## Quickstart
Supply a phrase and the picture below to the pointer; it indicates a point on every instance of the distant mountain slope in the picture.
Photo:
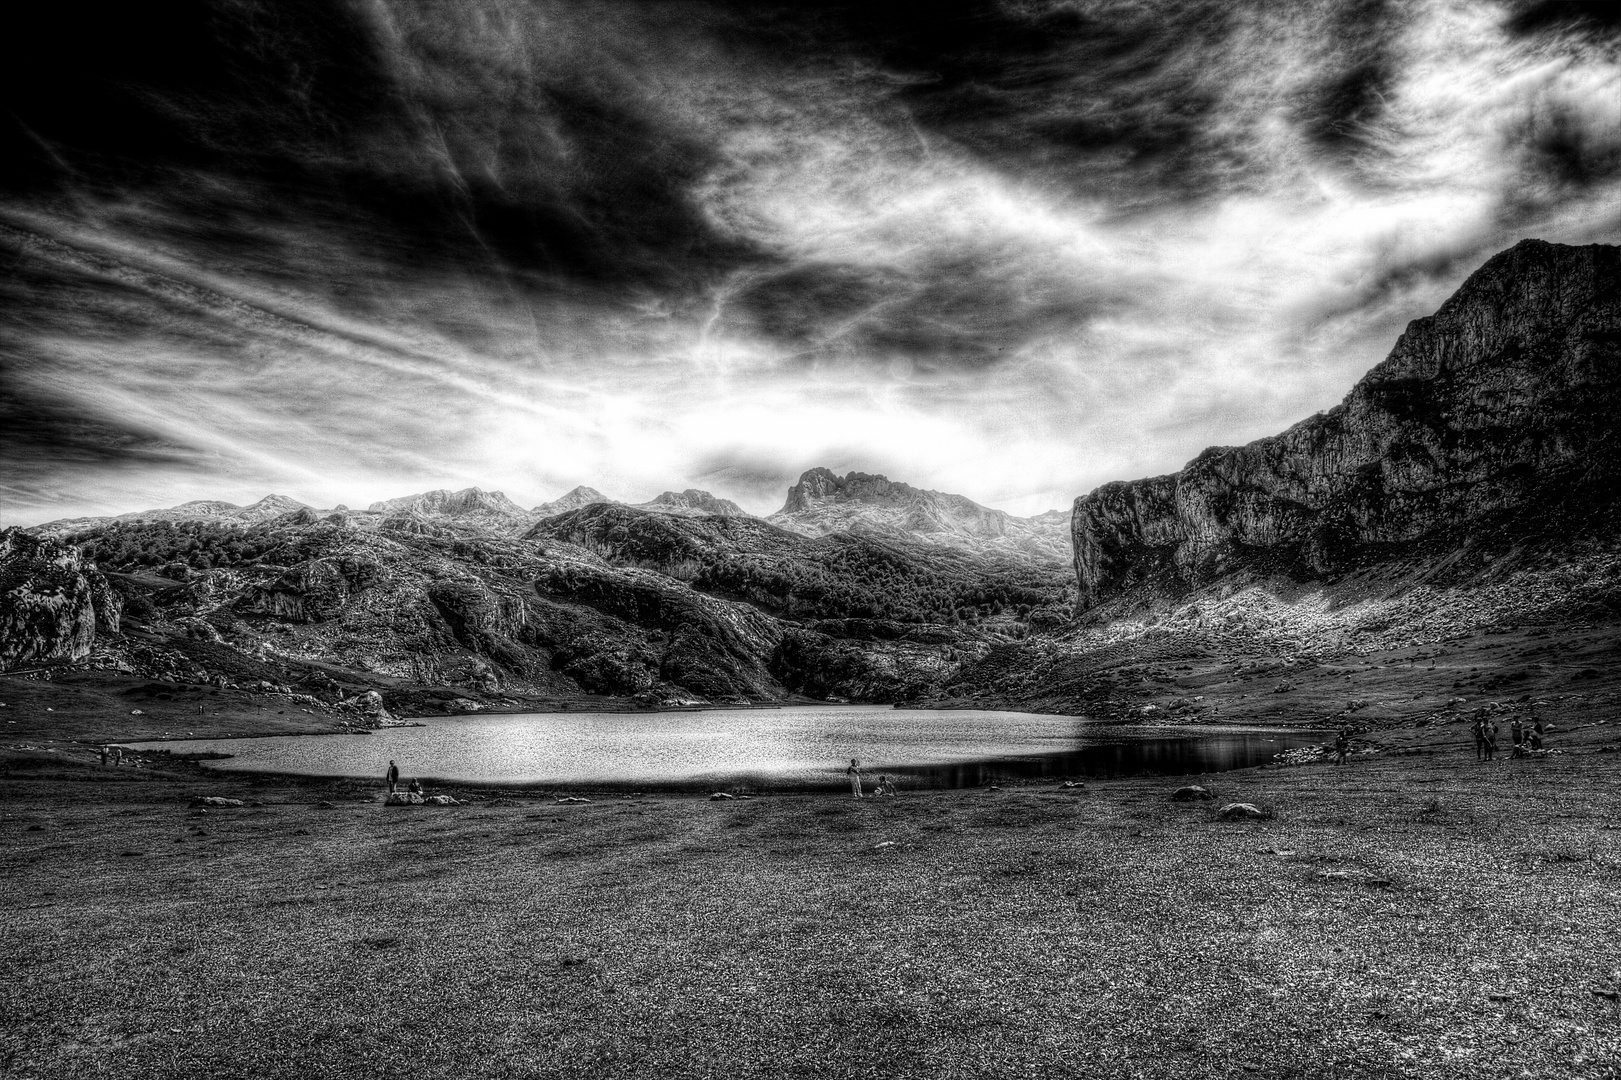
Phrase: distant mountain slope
(693, 501)
(823, 503)
(266, 509)
(580, 496)
(469, 503)
(1495, 417)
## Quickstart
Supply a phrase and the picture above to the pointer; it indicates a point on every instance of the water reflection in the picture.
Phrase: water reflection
(1158, 756)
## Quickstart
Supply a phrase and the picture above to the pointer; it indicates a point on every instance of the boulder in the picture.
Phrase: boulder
(440, 800)
(1191, 793)
(1240, 811)
(215, 802)
(403, 798)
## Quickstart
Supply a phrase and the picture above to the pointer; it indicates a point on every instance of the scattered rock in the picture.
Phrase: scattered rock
(1069, 785)
(1240, 811)
(572, 799)
(403, 798)
(1354, 877)
(441, 800)
(718, 796)
(1191, 793)
(214, 801)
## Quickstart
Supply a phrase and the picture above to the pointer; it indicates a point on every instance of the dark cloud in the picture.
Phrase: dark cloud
(650, 245)
(1599, 18)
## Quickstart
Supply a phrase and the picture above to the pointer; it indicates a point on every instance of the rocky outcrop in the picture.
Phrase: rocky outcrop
(51, 601)
(1498, 412)
(313, 591)
(824, 502)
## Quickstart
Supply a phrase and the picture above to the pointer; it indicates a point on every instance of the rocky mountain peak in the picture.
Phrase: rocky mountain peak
(819, 484)
(578, 497)
(823, 502)
(695, 501)
(468, 502)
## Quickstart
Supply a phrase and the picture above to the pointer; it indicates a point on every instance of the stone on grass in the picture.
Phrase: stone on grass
(440, 800)
(718, 796)
(1354, 877)
(403, 798)
(215, 800)
(1240, 811)
(1191, 793)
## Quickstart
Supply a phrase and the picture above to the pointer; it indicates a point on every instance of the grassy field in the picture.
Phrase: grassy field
(1410, 914)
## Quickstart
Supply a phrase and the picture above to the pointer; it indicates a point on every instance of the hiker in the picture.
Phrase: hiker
(416, 786)
(854, 773)
(393, 776)
(1479, 727)
(885, 786)
(1342, 743)
(118, 755)
(1491, 740)
(1516, 735)
(103, 757)
(1536, 736)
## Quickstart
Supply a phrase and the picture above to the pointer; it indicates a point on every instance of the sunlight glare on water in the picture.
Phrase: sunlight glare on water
(799, 746)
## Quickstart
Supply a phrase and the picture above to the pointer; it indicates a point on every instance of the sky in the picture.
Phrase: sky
(346, 250)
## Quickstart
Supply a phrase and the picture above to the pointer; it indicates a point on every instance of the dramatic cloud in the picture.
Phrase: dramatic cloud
(346, 251)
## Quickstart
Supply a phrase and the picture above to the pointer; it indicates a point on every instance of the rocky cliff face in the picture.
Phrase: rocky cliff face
(51, 601)
(1497, 412)
(823, 503)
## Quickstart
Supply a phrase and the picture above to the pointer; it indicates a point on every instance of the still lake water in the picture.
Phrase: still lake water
(797, 747)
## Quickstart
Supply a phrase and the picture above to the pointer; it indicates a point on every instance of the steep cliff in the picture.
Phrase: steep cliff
(1495, 414)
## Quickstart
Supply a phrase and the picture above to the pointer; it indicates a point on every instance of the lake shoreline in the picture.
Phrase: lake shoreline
(731, 752)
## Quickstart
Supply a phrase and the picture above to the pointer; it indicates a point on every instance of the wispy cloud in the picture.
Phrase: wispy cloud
(1016, 251)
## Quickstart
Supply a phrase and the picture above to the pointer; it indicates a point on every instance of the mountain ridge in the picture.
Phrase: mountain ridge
(1495, 410)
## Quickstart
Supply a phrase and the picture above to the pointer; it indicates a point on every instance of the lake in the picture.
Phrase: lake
(791, 748)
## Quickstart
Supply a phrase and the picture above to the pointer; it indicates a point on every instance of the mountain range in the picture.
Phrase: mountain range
(820, 504)
(1465, 487)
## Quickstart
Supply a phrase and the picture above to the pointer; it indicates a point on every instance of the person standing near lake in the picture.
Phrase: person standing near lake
(1516, 735)
(1536, 735)
(1491, 740)
(1342, 744)
(854, 773)
(1479, 727)
(393, 776)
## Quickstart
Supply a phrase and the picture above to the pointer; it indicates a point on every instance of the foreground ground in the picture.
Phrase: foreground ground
(1411, 914)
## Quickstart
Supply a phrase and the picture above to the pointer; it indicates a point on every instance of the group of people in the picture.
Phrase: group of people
(393, 778)
(1526, 736)
(115, 754)
(886, 786)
